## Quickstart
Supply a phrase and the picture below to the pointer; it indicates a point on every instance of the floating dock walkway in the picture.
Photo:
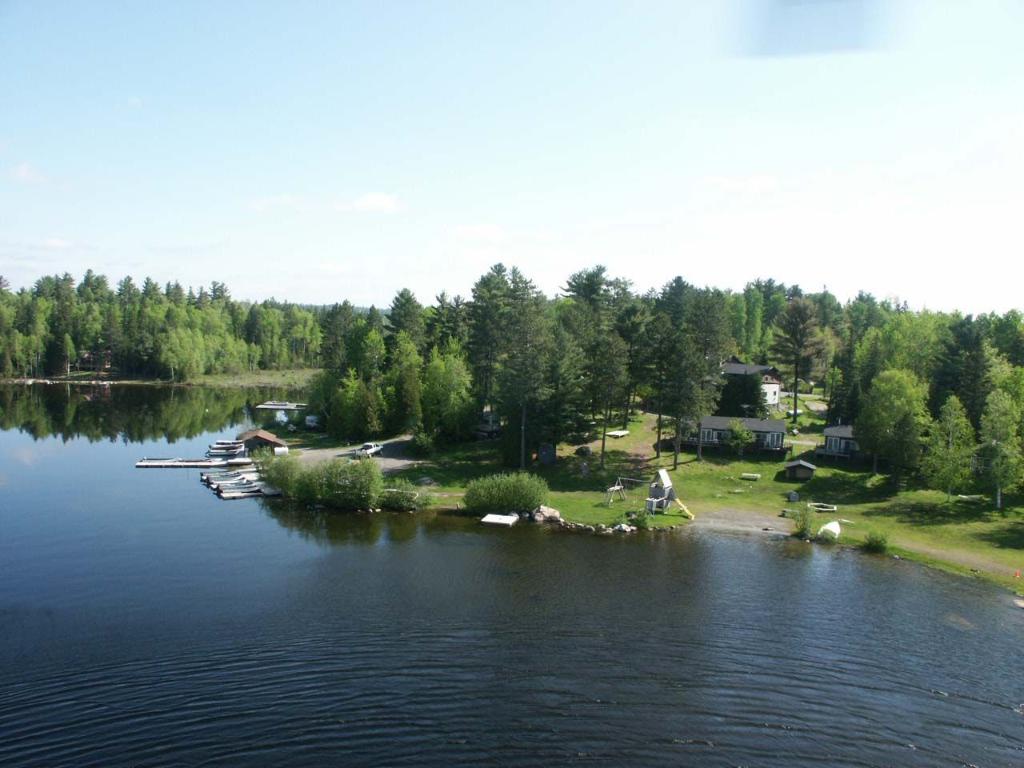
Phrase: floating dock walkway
(280, 405)
(236, 476)
(192, 463)
(506, 520)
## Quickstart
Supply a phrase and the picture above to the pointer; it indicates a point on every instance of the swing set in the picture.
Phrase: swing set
(660, 493)
(622, 490)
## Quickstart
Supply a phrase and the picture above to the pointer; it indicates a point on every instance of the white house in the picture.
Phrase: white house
(771, 380)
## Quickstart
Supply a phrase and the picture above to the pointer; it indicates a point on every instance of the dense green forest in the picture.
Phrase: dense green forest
(937, 392)
(57, 327)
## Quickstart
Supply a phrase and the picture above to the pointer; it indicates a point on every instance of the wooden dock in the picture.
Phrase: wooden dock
(232, 479)
(192, 463)
(280, 405)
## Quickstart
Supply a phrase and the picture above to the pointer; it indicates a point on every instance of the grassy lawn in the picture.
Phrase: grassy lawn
(811, 424)
(297, 378)
(963, 535)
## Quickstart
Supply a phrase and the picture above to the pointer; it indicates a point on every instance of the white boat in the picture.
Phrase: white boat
(241, 482)
(830, 530)
(226, 450)
(216, 477)
(240, 494)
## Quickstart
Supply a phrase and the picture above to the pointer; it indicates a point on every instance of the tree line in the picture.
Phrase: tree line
(57, 327)
(550, 368)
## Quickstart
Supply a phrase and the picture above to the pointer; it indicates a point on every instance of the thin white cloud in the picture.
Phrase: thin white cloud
(29, 249)
(199, 247)
(26, 173)
(371, 202)
(476, 233)
(275, 203)
(56, 244)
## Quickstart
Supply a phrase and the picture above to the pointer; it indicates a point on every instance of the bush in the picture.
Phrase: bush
(422, 444)
(282, 472)
(641, 519)
(402, 496)
(876, 542)
(803, 520)
(352, 484)
(338, 483)
(507, 492)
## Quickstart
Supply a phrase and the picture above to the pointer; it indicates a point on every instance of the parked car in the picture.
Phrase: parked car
(370, 449)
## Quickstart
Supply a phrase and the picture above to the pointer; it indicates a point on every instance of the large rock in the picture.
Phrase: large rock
(544, 514)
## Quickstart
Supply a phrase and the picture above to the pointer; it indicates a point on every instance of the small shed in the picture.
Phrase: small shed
(800, 470)
(257, 439)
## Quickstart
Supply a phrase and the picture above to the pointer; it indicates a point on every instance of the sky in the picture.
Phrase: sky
(316, 151)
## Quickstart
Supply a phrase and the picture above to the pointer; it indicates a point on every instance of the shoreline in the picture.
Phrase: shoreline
(271, 381)
(731, 521)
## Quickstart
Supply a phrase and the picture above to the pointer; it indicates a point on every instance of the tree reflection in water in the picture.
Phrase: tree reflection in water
(125, 412)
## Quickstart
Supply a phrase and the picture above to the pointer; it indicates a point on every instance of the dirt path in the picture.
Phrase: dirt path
(970, 560)
(737, 521)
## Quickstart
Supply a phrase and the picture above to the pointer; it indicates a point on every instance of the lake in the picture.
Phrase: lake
(145, 622)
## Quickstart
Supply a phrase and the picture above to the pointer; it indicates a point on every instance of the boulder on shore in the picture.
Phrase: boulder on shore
(544, 514)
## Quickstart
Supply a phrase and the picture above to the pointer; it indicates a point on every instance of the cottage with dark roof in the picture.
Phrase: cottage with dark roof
(768, 433)
(839, 441)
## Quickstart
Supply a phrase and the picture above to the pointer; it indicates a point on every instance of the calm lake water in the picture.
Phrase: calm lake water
(144, 622)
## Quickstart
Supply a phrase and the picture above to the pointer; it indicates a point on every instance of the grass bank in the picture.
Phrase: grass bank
(965, 535)
(296, 378)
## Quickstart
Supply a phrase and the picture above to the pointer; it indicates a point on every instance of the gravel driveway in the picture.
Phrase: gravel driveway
(394, 455)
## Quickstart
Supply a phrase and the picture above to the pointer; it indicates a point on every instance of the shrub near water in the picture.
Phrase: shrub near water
(876, 542)
(402, 496)
(338, 483)
(803, 522)
(282, 472)
(506, 493)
